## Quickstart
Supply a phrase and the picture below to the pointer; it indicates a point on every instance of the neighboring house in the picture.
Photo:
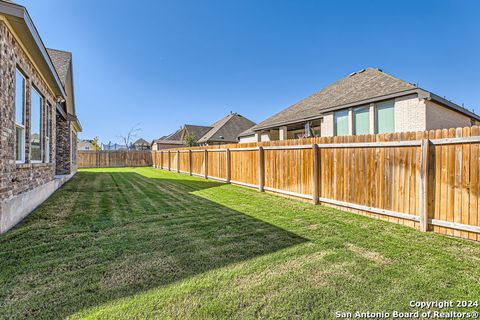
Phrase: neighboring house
(141, 144)
(38, 124)
(224, 131)
(85, 145)
(175, 140)
(113, 147)
(365, 102)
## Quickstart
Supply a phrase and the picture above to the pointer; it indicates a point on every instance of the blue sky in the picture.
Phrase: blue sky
(166, 63)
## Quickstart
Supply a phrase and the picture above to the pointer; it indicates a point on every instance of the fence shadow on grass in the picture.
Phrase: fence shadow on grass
(108, 235)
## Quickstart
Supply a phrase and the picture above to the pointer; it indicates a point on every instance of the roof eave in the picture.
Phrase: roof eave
(422, 93)
(20, 12)
(448, 104)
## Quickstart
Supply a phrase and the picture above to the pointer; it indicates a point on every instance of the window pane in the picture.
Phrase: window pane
(362, 121)
(19, 98)
(341, 123)
(385, 117)
(35, 133)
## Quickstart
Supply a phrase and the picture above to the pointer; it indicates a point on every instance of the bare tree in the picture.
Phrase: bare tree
(132, 134)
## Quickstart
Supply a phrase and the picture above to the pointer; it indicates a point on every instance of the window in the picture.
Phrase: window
(19, 117)
(36, 149)
(385, 117)
(361, 120)
(341, 123)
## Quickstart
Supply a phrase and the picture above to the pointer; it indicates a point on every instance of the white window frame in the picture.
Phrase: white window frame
(20, 126)
(42, 100)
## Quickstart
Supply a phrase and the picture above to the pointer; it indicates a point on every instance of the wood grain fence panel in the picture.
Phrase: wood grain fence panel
(184, 162)
(286, 170)
(244, 166)
(173, 160)
(217, 164)
(380, 180)
(198, 163)
(105, 159)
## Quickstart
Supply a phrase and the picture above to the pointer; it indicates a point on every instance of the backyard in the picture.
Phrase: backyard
(146, 243)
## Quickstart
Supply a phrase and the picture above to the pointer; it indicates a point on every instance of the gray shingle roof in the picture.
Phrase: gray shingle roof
(227, 129)
(197, 131)
(61, 61)
(356, 87)
(141, 141)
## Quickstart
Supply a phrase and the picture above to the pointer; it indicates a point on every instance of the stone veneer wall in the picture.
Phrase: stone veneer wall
(19, 178)
(63, 146)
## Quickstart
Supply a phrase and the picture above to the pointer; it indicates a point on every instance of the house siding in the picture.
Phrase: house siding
(19, 178)
(327, 126)
(410, 114)
(249, 138)
(439, 117)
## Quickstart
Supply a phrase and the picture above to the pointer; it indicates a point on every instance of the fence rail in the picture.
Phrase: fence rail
(427, 180)
(105, 159)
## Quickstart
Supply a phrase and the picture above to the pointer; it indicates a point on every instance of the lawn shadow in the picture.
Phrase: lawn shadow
(108, 235)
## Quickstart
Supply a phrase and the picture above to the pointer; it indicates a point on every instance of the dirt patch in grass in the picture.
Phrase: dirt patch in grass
(369, 254)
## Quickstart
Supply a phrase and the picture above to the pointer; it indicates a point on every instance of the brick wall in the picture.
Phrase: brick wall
(18, 178)
(63, 146)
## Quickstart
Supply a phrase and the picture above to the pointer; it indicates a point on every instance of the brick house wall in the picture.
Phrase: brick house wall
(18, 178)
(62, 149)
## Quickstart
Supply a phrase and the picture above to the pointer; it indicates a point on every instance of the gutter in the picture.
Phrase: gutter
(422, 94)
(450, 105)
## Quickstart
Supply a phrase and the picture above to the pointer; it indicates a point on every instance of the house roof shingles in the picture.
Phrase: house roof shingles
(197, 131)
(141, 141)
(356, 87)
(227, 129)
(61, 61)
(360, 87)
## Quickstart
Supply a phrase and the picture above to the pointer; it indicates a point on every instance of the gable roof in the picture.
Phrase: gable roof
(227, 129)
(197, 131)
(177, 136)
(364, 86)
(141, 141)
(61, 61)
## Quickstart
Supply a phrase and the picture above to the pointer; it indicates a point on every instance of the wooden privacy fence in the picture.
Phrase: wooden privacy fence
(120, 158)
(428, 180)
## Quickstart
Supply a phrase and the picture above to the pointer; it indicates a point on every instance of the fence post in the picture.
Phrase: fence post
(315, 189)
(423, 201)
(168, 154)
(178, 161)
(205, 152)
(228, 166)
(261, 169)
(190, 161)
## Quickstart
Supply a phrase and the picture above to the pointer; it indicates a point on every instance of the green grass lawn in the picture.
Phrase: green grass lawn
(144, 243)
